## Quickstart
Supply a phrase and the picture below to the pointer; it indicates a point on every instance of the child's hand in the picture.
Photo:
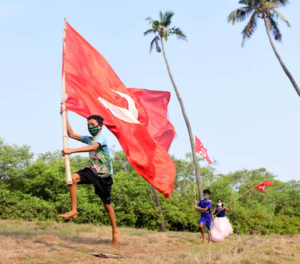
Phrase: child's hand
(230, 203)
(66, 151)
(195, 202)
(62, 110)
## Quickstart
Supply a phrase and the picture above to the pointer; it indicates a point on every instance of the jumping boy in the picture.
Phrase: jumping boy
(99, 173)
(204, 206)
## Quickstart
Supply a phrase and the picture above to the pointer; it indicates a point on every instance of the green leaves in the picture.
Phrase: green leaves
(177, 31)
(155, 42)
(278, 14)
(162, 29)
(13, 160)
(42, 194)
(250, 28)
(239, 15)
(264, 9)
(166, 19)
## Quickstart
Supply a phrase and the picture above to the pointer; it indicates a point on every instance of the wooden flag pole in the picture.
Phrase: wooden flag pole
(64, 123)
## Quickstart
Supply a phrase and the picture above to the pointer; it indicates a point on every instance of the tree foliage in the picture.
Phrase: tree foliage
(256, 9)
(41, 194)
(162, 29)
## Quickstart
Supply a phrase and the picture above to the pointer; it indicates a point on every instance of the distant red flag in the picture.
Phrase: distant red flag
(261, 187)
(201, 149)
(94, 88)
(155, 104)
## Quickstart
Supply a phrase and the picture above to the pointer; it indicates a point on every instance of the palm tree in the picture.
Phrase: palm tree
(162, 30)
(266, 10)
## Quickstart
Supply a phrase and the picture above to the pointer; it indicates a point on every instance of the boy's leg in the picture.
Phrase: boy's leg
(73, 195)
(202, 231)
(115, 232)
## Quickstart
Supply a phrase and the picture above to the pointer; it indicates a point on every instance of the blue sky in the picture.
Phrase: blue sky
(239, 101)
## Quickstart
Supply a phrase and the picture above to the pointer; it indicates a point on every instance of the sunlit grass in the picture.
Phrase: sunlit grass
(52, 242)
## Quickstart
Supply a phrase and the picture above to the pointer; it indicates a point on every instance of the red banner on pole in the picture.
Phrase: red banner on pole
(261, 187)
(199, 148)
(94, 88)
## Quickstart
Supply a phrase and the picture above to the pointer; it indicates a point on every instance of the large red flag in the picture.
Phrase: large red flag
(155, 104)
(261, 187)
(201, 149)
(94, 88)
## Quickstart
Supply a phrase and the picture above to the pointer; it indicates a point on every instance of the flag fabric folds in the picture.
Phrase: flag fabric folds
(261, 187)
(201, 149)
(93, 87)
(155, 104)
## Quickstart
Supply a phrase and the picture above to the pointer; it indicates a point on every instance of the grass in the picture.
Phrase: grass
(51, 242)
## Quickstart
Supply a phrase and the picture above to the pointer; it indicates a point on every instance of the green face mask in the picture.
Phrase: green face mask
(93, 130)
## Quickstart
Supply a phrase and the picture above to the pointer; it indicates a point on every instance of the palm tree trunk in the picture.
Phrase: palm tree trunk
(161, 216)
(289, 75)
(187, 122)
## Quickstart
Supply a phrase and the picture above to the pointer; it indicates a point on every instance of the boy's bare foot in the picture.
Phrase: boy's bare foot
(115, 239)
(203, 240)
(70, 214)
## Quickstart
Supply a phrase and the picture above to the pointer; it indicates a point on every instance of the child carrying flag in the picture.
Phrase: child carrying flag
(99, 173)
(204, 206)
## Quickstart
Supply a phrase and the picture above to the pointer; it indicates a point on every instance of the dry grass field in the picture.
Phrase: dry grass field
(49, 242)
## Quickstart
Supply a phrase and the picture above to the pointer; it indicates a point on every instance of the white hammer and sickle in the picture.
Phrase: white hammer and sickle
(129, 115)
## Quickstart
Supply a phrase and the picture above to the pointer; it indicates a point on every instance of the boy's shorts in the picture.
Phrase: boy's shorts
(205, 221)
(102, 185)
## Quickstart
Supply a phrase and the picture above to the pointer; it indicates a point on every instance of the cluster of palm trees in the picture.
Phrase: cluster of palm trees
(255, 9)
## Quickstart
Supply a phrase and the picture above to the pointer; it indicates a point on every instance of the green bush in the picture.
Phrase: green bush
(36, 190)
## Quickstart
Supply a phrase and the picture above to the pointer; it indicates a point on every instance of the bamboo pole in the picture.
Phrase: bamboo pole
(64, 122)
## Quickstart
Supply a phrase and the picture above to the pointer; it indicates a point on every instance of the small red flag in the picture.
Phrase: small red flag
(93, 87)
(261, 187)
(201, 149)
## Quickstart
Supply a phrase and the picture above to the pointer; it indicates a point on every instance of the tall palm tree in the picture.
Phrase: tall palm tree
(266, 10)
(162, 30)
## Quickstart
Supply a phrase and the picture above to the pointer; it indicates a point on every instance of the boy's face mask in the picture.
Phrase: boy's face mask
(93, 130)
(205, 197)
(219, 204)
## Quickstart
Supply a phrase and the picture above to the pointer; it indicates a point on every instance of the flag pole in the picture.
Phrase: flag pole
(64, 121)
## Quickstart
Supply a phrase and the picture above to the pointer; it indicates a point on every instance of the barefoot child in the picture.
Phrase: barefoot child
(221, 227)
(206, 218)
(99, 173)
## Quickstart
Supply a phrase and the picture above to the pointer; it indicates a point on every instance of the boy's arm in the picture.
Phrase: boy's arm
(196, 206)
(70, 132)
(204, 209)
(199, 208)
(89, 148)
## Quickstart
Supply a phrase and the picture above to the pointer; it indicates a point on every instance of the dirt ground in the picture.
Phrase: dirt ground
(51, 242)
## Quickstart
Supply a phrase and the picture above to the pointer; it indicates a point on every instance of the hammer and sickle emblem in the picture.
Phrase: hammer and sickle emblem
(129, 115)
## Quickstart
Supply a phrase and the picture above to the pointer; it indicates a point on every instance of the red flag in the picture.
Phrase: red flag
(94, 88)
(261, 187)
(155, 104)
(201, 149)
